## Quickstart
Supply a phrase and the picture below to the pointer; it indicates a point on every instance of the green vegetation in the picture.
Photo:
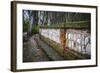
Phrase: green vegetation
(74, 24)
(35, 29)
(25, 25)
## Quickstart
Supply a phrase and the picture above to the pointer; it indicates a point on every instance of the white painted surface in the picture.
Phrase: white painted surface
(53, 34)
(78, 39)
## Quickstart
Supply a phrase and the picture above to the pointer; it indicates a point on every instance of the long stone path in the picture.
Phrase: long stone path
(32, 52)
(36, 50)
(51, 53)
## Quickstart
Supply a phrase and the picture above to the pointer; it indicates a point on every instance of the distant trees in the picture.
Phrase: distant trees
(30, 20)
(35, 18)
(50, 17)
(25, 21)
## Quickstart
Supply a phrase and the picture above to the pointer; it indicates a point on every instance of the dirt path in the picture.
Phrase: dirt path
(51, 53)
(32, 52)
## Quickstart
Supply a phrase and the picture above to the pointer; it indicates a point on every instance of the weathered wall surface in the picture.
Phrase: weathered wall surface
(53, 34)
(78, 40)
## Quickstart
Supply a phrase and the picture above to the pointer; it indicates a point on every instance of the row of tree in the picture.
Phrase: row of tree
(35, 18)
(49, 18)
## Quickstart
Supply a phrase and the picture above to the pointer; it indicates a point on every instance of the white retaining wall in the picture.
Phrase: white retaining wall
(77, 40)
(53, 34)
